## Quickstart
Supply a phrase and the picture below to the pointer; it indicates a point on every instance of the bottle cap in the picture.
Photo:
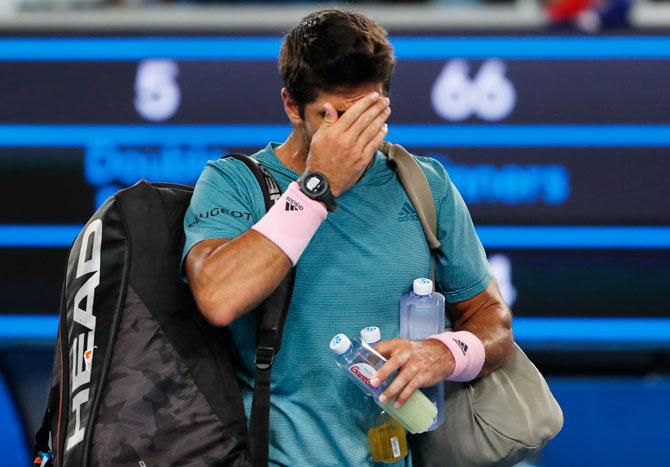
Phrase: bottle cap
(423, 286)
(340, 344)
(371, 335)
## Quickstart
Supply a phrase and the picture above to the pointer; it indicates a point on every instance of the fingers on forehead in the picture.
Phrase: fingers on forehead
(350, 116)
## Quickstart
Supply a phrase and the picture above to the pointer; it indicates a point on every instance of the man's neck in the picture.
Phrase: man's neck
(293, 152)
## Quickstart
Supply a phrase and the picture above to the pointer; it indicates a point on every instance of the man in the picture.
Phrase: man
(354, 257)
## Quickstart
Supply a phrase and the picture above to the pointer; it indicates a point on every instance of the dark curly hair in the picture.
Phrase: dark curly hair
(330, 49)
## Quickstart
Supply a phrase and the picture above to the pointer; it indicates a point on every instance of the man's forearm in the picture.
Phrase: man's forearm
(487, 317)
(231, 277)
(495, 332)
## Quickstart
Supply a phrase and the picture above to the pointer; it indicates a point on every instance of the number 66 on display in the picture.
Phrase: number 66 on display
(489, 95)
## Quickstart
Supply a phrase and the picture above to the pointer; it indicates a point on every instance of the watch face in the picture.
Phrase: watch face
(314, 184)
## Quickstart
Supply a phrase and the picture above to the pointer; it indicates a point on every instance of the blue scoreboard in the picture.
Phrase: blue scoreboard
(560, 146)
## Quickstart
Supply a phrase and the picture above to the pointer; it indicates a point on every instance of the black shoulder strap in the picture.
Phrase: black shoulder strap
(270, 315)
(266, 181)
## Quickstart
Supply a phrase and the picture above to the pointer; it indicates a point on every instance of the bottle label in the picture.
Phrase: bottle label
(363, 373)
(395, 446)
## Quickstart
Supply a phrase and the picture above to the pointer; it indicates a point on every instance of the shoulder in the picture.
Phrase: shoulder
(448, 201)
(227, 167)
(437, 176)
(228, 179)
(228, 174)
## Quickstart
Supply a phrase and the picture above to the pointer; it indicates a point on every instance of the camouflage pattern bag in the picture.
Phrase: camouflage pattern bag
(140, 378)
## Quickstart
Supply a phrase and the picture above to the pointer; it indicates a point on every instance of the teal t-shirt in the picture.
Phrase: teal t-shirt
(363, 257)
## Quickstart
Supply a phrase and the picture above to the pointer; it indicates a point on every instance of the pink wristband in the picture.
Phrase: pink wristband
(468, 352)
(292, 222)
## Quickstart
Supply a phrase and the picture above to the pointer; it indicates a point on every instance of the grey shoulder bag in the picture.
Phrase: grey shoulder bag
(496, 420)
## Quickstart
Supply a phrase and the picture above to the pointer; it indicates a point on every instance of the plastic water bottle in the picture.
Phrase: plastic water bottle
(361, 362)
(387, 438)
(422, 315)
(370, 336)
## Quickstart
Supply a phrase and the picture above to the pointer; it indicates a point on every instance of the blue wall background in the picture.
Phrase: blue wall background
(586, 108)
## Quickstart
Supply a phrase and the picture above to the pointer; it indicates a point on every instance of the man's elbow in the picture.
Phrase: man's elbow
(500, 342)
(506, 335)
(217, 306)
(218, 313)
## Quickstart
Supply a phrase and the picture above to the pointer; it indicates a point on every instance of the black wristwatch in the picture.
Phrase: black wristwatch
(315, 185)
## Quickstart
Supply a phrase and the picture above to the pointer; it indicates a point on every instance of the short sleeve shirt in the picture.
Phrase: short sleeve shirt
(363, 257)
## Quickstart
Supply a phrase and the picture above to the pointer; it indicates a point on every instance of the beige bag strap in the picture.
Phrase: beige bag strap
(416, 186)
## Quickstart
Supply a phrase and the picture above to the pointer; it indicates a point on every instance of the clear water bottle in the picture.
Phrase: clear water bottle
(361, 362)
(422, 315)
(371, 335)
(387, 438)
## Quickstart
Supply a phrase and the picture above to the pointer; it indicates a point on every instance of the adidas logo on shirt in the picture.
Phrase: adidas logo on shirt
(293, 205)
(407, 213)
(462, 345)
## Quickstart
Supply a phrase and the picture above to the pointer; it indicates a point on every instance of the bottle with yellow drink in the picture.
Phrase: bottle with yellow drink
(387, 437)
(361, 362)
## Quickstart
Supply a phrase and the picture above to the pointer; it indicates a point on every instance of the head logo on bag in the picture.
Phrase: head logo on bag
(81, 353)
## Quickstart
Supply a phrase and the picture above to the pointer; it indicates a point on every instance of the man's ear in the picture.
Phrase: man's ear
(291, 108)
